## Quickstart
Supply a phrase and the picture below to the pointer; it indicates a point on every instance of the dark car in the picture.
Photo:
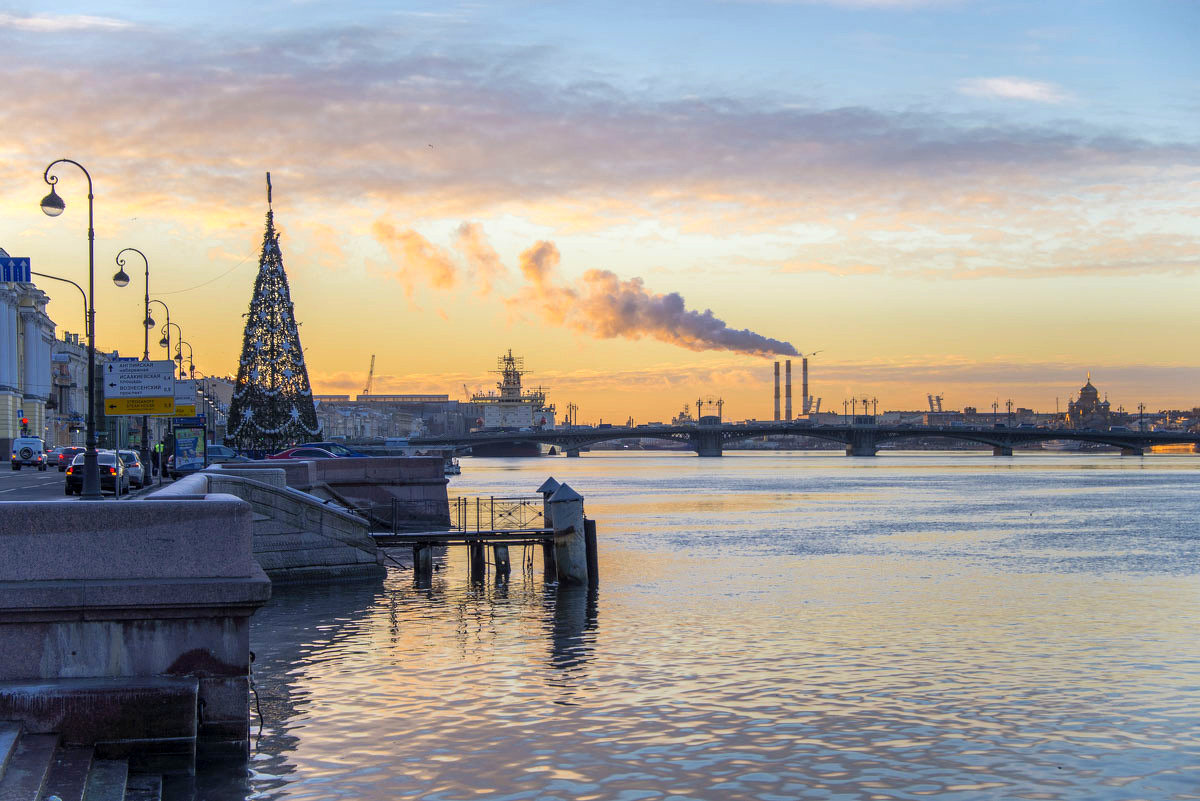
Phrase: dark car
(304, 453)
(112, 474)
(65, 456)
(223, 454)
(336, 448)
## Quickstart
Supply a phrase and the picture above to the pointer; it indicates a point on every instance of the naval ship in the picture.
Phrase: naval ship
(512, 409)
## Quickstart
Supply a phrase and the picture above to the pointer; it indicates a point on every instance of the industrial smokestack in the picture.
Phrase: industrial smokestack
(776, 391)
(788, 385)
(805, 400)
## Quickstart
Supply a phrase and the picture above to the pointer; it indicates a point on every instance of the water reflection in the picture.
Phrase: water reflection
(919, 629)
(571, 624)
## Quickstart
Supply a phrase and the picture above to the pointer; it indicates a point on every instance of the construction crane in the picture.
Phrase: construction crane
(370, 377)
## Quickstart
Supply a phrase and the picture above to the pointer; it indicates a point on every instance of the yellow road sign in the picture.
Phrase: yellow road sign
(119, 406)
(184, 410)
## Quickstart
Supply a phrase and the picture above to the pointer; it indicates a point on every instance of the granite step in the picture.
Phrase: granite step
(144, 787)
(27, 767)
(10, 733)
(68, 773)
(106, 782)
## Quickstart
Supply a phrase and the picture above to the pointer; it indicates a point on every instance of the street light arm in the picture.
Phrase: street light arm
(86, 327)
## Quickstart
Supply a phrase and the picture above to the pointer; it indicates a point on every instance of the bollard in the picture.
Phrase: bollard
(570, 553)
(423, 564)
(503, 567)
(549, 568)
(593, 557)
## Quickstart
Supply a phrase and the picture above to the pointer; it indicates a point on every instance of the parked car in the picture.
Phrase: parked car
(134, 467)
(223, 454)
(112, 473)
(336, 448)
(28, 452)
(66, 454)
(304, 453)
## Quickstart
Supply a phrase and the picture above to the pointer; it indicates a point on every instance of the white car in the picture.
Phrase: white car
(134, 468)
(28, 452)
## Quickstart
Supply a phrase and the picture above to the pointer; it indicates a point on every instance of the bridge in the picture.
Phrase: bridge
(860, 439)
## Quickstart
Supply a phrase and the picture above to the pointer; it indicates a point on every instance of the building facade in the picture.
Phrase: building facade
(1088, 411)
(26, 334)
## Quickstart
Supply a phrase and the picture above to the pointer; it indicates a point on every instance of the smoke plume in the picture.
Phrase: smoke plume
(483, 263)
(605, 306)
(415, 255)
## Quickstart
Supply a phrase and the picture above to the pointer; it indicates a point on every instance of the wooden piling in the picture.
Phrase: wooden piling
(423, 564)
(549, 566)
(570, 553)
(478, 561)
(593, 556)
(503, 567)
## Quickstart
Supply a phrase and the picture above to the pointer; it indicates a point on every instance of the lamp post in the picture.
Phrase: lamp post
(179, 357)
(81, 292)
(53, 206)
(166, 332)
(121, 280)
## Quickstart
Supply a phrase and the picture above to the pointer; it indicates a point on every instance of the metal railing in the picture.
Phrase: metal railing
(494, 513)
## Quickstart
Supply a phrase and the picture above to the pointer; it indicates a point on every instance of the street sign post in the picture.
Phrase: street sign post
(139, 387)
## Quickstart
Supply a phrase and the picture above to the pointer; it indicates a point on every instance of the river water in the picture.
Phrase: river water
(768, 626)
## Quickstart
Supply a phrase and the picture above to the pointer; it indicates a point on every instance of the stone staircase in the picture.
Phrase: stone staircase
(288, 553)
(38, 767)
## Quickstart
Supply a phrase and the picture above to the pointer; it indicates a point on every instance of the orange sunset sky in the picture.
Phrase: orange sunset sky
(978, 200)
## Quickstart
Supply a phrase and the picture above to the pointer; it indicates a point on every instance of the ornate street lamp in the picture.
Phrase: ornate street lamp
(53, 206)
(121, 279)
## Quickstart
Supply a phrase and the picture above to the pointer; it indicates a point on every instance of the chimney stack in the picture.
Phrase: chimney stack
(805, 399)
(788, 391)
(776, 391)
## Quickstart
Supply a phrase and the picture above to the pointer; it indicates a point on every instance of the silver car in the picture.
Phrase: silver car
(134, 468)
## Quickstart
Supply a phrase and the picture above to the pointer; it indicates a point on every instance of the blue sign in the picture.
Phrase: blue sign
(14, 269)
(183, 422)
(20, 412)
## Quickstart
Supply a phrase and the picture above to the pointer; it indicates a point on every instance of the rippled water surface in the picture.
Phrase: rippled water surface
(772, 627)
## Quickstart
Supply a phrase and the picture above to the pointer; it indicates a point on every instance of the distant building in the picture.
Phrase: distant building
(1088, 411)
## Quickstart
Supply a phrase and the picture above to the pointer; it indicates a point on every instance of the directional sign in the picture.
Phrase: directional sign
(185, 398)
(138, 406)
(14, 268)
(140, 379)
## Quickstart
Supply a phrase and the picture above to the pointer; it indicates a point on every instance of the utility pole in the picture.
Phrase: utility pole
(1010, 407)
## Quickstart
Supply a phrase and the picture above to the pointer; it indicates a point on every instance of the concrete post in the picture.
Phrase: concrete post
(1001, 450)
(572, 452)
(1131, 451)
(423, 564)
(570, 550)
(593, 555)
(549, 568)
(503, 566)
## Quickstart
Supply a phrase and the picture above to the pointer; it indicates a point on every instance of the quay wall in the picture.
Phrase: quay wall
(126, 626)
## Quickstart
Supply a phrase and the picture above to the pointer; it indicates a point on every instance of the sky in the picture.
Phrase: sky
(648, 201)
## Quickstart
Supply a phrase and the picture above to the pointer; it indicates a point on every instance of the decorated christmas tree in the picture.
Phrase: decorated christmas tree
(272, 400)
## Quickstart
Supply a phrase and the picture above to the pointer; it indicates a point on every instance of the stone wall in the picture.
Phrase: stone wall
(113, 616)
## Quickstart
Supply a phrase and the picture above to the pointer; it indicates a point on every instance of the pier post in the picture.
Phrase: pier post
(593, 556)
(503, 567)
(862, 443)
(1001, 450)
(1131, 451)
(478, 561)
(573, 452)
(549, 568)
(423, 564)
(570, 551)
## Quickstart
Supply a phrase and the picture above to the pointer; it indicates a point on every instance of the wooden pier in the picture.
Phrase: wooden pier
(568, 540)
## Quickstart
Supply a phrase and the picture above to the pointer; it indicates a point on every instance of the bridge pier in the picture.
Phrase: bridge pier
(707, 443)
(1131, 451)
(862, 443)
(1001, 450)
(573, 452)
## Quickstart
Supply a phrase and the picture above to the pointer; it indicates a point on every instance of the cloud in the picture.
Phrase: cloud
(57, 23)
(483, 263)
(415, 256)
(603, 305)
(1014, 89)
